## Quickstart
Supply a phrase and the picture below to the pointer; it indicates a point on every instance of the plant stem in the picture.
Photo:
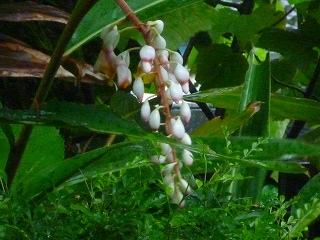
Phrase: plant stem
(16, 152)
(160, 82)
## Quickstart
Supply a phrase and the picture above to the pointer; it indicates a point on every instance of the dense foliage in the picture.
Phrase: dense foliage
(75, 154)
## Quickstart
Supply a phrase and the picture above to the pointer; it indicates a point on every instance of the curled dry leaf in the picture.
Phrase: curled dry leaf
(84, 72)
(20, 61)
(30, 11)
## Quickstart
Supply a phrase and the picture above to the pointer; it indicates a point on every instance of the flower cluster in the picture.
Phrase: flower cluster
(110, 64)
(165, 68)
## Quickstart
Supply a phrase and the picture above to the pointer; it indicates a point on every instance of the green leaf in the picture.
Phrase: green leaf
(283, 70)
(228, 98)
(312, 136)
(298, 1)
(97, 118)
(222, 22)
(307, 207)
(257, 89)
(4, 149)
(102, 160)
(309, 191)
(274, 154)
(218, 66)
(7, 130)
(295, 46)
(281, 107)
(107, 12)
(45, 147)
(220, 127)
(246, 27)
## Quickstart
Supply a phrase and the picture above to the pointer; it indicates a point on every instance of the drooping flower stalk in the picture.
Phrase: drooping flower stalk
(170, 77)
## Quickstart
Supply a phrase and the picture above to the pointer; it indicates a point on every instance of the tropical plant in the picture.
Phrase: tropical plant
(76, 145)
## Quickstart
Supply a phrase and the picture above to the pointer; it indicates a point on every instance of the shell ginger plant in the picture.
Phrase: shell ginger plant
(165, 68)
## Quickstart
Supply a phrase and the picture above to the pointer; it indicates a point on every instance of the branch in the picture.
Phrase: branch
(16, 152)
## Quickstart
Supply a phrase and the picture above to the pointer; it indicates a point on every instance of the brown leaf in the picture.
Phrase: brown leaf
(20, 61)
(30, 11)
(84, 72)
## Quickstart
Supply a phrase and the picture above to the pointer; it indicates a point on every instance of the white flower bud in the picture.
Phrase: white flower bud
(182, 74)
(186, 139)
(145, 111)
(176, 57)
(123, 75)
(163, 59)
(168, 180)
(154, 120)
(168, 94)
(158, 25)
(158, 159)
(158, 42)
(177, 197)
(169, 157)
(146, 66)
(185, 112)
(175, 92)
(168, 168)
(184, 186)
(165, 148)
(164, 73)
(123, 71)
(185, 88)
(147, 53)
(187, 157)
(172, 78)
(124, 58)
(178, 130)
(138, 88)
(106, 63)
(110, 36)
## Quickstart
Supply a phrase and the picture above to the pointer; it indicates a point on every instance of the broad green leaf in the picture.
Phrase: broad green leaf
(45, 147)
(246, 27)
(307, 207)
(284, 71)
(107, 12)
(295, 108)
(273, 154)
(102, 160)
(228, 98)
(4, 149)
(222, 22)
(298, 1)
(309, 8)
(256, 89)
(218, 66)
(8, 132)
(97, 118)
(295, 46)
(309, 191)
(281, 107)
(312, 136)
(220, 127)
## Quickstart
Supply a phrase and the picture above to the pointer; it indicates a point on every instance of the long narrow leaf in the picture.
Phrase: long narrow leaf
(97, 118)
(107, 12)
(281, 107)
